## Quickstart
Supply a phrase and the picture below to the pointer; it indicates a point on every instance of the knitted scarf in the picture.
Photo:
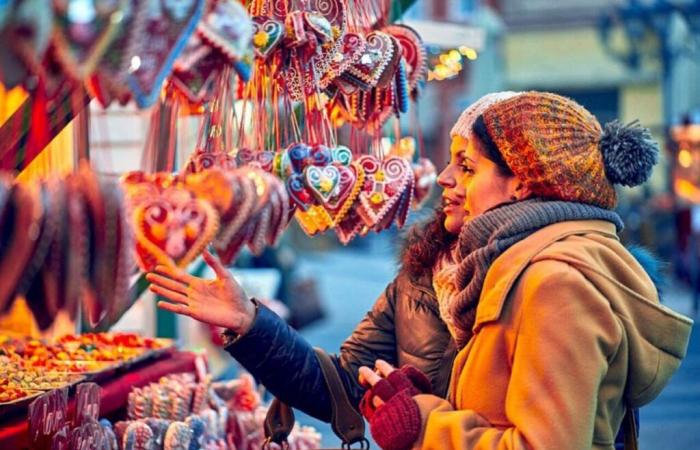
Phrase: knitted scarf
(486, 237)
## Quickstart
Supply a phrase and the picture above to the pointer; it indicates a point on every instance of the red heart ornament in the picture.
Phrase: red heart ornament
(157, 38)
(173, 229)
(412, 50)
(384, 185)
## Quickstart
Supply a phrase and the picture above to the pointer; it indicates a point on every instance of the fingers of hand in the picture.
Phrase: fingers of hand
(173, 296)
(384, 368)
(368, 377)
(215, 263)
(167, 283)
(173, 307)
(175, 273)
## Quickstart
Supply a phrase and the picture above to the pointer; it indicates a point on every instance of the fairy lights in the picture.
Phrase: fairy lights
(449, 64)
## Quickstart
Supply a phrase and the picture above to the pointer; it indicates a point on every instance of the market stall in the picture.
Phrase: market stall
(300, 107)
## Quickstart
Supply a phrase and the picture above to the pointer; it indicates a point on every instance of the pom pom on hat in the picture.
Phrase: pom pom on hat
(629, 153)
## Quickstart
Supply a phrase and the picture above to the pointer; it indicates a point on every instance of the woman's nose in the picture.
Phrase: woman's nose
(446, 179)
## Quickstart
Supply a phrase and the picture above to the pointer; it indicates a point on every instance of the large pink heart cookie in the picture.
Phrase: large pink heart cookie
(173, 228)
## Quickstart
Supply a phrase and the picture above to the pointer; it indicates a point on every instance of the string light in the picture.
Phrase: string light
(449, 63)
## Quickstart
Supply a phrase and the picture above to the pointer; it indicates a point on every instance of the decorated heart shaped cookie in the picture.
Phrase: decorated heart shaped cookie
(412, 51)
(263, 159)
(384, 185)
(322, 181)
(173, 229)
(267, 35)
(349, 52)
(229, 28)
(81, 40)
(197, 82)
(425, 178)
(157, 38)
(375, 59)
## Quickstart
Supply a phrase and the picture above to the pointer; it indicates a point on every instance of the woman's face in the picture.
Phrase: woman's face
(473, 184)
(453, 189)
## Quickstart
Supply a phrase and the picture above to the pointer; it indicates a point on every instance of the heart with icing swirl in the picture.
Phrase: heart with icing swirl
(385, 183)
(173, 229)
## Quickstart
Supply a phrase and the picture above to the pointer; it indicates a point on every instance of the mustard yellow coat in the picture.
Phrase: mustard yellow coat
(569, 330)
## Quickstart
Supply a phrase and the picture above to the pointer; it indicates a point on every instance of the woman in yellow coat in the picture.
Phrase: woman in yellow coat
(560, 329)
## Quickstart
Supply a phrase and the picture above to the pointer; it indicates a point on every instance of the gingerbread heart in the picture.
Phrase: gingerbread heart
(299, 156)
(412, 51)
(314, 220)
(239, 212)
(267, 35)
(351, 180)
(263, 159)
(350, 50)
(298, 192)
(349, 226)
(173, 229)
(197, 82)
(322, 181)
(156, 39)
(320, 155)
(384, 185)
(319, 24)
(81, 41)
(341, 155)
(374, 61)
(202, 160)
(228, 28)
(425, 178)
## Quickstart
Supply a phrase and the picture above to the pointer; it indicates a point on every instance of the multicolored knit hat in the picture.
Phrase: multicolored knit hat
(559, 150)
(463, 126)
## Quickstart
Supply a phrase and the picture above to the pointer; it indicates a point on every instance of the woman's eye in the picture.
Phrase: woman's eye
(467, 169)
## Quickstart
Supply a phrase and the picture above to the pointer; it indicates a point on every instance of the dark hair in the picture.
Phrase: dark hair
(425, 243)
(488, 147)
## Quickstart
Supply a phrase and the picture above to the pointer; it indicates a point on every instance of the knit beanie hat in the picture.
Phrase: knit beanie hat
(463, 126)
(559, 150)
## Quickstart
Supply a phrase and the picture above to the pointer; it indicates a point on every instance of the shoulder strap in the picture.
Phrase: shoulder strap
(346, 421)
(630, 427)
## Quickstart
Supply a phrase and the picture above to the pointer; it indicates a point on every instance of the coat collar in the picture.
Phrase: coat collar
(506, 269)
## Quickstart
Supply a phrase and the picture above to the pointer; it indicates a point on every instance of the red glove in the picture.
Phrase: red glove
(396, 425)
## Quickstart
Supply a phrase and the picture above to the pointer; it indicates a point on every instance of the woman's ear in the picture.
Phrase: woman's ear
(520, 191)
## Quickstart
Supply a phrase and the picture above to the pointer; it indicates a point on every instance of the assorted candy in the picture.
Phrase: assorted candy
(34, 365)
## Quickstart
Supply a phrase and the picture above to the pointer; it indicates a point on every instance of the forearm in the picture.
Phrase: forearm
(284, 362)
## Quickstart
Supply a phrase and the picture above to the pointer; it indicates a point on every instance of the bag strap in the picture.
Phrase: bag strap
(279, 422)
(630, 427)
(346, 421)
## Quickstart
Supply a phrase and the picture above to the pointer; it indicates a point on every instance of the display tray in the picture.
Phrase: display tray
(19, 405)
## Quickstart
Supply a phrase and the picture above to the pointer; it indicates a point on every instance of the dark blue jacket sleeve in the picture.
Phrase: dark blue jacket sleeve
(285, 363)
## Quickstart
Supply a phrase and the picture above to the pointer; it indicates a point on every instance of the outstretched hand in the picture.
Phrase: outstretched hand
(220, 302)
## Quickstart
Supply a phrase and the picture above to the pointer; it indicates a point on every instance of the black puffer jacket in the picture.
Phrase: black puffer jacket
(403, 327)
